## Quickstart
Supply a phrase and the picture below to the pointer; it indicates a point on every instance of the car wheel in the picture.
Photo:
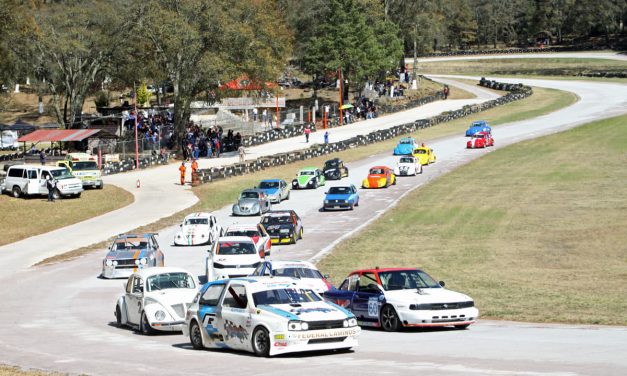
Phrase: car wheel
(261, 342)
(195, 336)
(462, 327)
(118, 316)
(78, 195)
(56, 194)
(288, 196)
(144, 326)
(17, 192)
(316, 185)
(294, 237)
(300, 234)
(101, 185)
(351, 207)
(389, 319)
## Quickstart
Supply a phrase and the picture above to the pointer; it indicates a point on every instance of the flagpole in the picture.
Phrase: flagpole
(136, 115)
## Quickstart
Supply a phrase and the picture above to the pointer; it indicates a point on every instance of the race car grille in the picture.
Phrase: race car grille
(179, 309)
(336, 201)
(125, 264)
(234, 266)
(441, 306)
(329, 324)
(325, 340)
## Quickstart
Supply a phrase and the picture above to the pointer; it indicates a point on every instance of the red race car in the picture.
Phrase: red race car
(480, 140)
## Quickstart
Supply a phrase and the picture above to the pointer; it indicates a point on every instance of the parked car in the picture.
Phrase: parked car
(256, 232)
(341, 197)
(407, 165)
(405, 146)
(85, 167)
(267, 316)
(283, 226)
(379, 177)
(402, 297)
(308, 178)
(198, 229)
(334, 169)
(480, 140)
(478, 126)
(305, 271)
(131, 252)
(29, 180)
(277, 190)
(232, 257)
(425, 155)
(156, 299)
(252, 202)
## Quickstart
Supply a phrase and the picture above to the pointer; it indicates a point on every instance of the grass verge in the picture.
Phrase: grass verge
(220, 193)
(25, 217)
(538, 237)
(16, 371)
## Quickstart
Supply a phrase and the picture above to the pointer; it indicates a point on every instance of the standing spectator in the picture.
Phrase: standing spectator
(270, 121)
(264, 116)
(182, 170)
(51, 184)
(42, 158)
(242, 153)
(194, 166)
(326, 137)
(445, 91)
(255, 111)
(307, 132)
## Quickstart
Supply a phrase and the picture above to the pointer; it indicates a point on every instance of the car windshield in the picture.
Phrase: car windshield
(339, 190)
(269, 184)
(285, 296)
(406, 279)
(276, 219)
(406, 142)
(297, 273)
(304, 173)
(249, 195)
(248, 233)
(236, 248)
(86, 165)
(376, 171)
(479, 136)
(478, 124)
(170, 281)
(406, 160)
(197, 221)
(128, 244)
(61, 174)
(330, 164)
(420, 151)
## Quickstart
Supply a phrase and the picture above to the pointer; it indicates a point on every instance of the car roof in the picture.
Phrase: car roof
(256, 284)
(253, 190)
(479, 122)
(147, 272)
(308, 168)
(407, 138)
(379, 270)
(241, 239)
(279, 212)
(272, 180)
(286, 263)
(135, 236)
(333, 160)
(383, 167)
(241, 227)
(198, 215)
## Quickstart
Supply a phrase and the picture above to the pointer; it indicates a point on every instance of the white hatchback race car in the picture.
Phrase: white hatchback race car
(231, 257)
(306, 272)
(407, 165)
(256, 232)
(198, 229)
(267, 316)
(156, 299)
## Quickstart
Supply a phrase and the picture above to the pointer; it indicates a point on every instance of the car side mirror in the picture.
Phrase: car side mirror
(181, 225)
(326, 193)
(442, 283)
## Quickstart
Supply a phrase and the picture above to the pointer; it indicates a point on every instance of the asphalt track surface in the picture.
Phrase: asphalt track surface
(60, 317)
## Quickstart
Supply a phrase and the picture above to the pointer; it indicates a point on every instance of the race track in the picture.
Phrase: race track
(60, 317)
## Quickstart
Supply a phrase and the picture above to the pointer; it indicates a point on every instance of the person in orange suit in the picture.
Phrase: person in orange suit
(182, 170)
(194, 166)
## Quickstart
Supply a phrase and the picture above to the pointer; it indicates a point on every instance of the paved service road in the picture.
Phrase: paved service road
(60, 317)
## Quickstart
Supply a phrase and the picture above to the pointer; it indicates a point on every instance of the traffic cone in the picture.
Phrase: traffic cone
(137, 184)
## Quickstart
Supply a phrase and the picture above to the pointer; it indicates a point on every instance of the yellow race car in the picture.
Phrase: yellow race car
(424, 155)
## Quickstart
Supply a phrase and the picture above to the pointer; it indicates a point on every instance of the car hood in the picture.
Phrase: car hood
(188, 230)
(271, 191)
(279, 226)
(123, 255)
(304, 179)
(236, 259)
(403, 149)
(343, 196)
(169, 297)
(436, 295)
(247, 201)
(313, 311)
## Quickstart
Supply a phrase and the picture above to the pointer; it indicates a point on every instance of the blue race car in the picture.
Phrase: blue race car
(277, 190)
(342, 197)
(405, 146)
(478, 126)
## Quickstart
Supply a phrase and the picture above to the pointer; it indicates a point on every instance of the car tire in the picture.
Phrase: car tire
(17, 192)
(195, 336)
(144, 326)
(294, 238)
(462, 327)
(351, 207)
(56, 194)
(389, 319)
(78, 195)
(288, 195)
(300, 234)
(118, 316)
(357, 203)
(101, 185)
(316, 185)
(261, 342)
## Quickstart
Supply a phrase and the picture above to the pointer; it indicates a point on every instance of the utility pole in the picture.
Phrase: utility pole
(341, 91)
(136, 116)
(414, 81)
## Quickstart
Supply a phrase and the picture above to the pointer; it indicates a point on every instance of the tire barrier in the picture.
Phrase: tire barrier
(516, 92)
(128, 164)
(622, 74)
(515, 50)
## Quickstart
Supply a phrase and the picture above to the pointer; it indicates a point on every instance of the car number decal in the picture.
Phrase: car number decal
(373, 307)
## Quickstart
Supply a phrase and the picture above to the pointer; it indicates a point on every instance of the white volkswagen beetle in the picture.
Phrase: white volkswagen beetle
(267, 316)
(156, 299)
(198, 229)
(407, 165)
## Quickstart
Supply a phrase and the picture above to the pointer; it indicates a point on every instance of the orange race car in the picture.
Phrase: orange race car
(379, 177)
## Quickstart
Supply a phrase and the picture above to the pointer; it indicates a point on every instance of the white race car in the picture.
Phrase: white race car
(156, 299)
(267, 316)
(232, 256)
(407, 165)
(256, 232)
(306, 272)
(198, 229)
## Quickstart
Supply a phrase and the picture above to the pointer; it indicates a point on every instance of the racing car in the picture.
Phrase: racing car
(283, 226)
(308, 178)
(405, 146)
(402, 297)
(379, 177)
(480, 140)
(334, 169)
(257, 233)
(277, 190)
(424, 155)
(341, 197)
(478, 126)
(251, 202)
(231, 257)
(305, 271)
(267, 316)
(407, 165)
(130, 252)
(198, 229)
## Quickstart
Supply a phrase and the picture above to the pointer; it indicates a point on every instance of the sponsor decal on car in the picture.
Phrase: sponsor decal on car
(317, 334)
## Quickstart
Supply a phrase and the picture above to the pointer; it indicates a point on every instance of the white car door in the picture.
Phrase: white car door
(134, 300)
(33, 182)
(235, 320)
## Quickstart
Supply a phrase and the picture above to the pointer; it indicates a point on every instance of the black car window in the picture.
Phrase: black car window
(368, 283)
(16, 172)
(211, 296)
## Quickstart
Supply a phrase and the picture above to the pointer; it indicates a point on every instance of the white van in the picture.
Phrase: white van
(31, 180)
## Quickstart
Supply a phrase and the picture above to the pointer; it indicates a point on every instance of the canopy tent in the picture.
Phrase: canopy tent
(19, 126)
(64, 135)
(244, 83)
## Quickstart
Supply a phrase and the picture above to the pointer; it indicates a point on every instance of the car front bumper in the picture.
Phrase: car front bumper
(173, 326)
(242, 212)
(114, 272)
(449, 317)
(283, 239)
(313, 340)
(92, 183)
(337, 206)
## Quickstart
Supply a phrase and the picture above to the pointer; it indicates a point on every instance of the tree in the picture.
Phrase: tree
(143, 95)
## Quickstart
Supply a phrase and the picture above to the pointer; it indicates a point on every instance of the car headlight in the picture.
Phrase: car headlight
(326, 201)
(160, 315)
(297, 325)
(352, 322)
(136, 261)
(310, 182)
(178, 236)
(143, 261)
(109, 263)
(345, 323)
(115, 263)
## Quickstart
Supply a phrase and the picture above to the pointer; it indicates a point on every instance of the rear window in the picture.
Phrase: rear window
(16, 172)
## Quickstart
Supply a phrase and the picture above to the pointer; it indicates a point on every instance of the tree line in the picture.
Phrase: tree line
(69, 48)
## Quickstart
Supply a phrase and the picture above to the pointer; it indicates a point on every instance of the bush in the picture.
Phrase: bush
(102, 99)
